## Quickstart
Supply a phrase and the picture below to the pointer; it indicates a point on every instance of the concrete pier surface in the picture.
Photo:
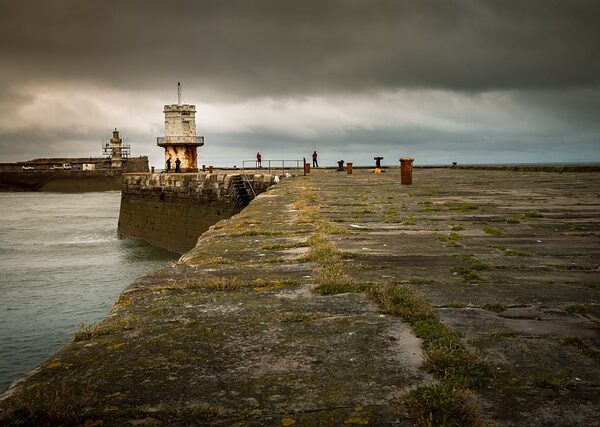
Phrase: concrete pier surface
(470, 297)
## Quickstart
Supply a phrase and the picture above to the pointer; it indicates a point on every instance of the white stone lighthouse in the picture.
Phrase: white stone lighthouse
(180, 140)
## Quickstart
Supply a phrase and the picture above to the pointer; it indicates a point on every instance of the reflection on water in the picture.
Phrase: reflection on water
(61, 265)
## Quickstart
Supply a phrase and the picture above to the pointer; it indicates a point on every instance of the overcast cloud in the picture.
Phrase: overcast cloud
(446, 80)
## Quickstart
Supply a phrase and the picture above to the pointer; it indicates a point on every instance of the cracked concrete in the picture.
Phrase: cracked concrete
(510, 260)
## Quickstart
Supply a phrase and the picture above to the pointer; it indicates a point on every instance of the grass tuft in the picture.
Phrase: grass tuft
(514, 220)
(465, 207)
(403, 302)
(473, 262)
(578, 308)
(533, 214)
(107, 327)
(550, 382)
(62, 404)
(492, 231)
(442, 405)
(496, 307)
(467, 275)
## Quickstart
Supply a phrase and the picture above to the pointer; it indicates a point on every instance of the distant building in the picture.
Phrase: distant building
(116, 151)
(115, 157)
(180, 140)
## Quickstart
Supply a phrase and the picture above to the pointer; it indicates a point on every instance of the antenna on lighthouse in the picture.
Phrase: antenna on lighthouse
(178, 93)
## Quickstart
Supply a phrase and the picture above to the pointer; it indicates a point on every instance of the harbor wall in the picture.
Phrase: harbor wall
(65, 181)
(42, 174)
(172, 210)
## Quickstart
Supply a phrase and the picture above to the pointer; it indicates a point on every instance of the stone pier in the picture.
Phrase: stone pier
(471, 297)
(172, 210)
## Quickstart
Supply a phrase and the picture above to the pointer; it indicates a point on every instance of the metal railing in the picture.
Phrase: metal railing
(273, 166)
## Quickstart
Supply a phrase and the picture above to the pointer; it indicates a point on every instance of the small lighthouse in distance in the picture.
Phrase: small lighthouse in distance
(180, 140)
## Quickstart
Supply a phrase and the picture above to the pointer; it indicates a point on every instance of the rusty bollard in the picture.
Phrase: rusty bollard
(306, 168)
(349, 168)
(406, 170)
(152, 169)
(210, 169)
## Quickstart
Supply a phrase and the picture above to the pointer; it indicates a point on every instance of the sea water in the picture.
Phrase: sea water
(61, 265)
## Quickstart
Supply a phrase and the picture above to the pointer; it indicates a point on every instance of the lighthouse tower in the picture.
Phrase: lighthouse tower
(180, 140)
(116, 145)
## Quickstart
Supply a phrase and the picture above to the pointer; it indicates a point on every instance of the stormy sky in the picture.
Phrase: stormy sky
(440, 80)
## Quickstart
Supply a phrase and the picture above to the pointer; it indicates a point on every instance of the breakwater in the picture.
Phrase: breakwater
(65, 181)
(49, 174)
(172, 210)
(333, 299)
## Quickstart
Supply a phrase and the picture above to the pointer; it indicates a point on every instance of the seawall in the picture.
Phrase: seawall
(41, 175)
(172, 210)
(305, 308)
(65, 181)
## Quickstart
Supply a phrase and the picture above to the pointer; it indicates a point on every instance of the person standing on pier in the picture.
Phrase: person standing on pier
(177, 165)
(314, 157)
(169, 165)
(258, 160)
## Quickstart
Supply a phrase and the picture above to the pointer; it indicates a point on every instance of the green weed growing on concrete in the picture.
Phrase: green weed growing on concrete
(550, 382)
(330, 273)
(411, 220)
(532, 214)
(445, 355)
(467, 275)
(578, 308)
(496, 307)
(211, 260)
(465, 207)
(492, 231)
(514, 252)
(450, 241)
(448, 403)
(107, 327)
(442, 405)
(39, 404)
(514, 220)
(473, 262)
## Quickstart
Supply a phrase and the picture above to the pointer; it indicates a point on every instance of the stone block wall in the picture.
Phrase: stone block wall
(172, 210)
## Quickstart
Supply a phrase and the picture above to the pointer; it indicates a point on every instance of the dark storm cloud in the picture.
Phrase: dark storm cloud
(283, 47)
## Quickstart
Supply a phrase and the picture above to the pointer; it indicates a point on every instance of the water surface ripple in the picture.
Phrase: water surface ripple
(61, 265)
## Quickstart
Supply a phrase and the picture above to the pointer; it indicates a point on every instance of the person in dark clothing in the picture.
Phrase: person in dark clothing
(168, 165)
(258, 160)
(177, 165)
(314, 156)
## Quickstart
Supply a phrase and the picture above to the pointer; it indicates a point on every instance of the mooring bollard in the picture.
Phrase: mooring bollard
(306, 168)
(340, 166)
(210, 169)
(378, 162)
(349, 168)
(203, 168)
(406, 170)
(152, 169)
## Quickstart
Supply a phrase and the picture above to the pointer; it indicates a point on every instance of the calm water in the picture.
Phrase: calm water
(61, 265)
